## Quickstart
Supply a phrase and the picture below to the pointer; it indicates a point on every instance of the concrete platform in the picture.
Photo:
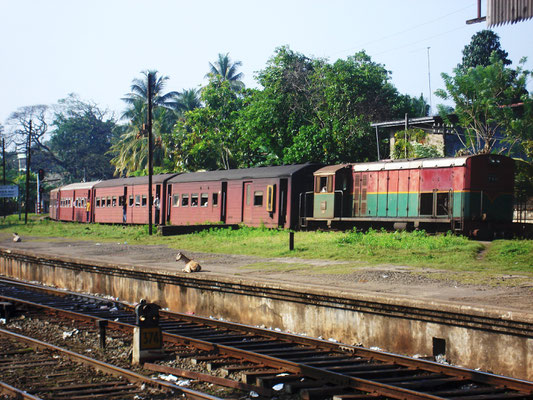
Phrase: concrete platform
(475, 332)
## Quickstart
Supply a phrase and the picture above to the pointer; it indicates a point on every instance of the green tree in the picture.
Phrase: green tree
(412, 143)
(207, 137)
(226, 70)
(81, 137)
(187, 100)
(480, 49)
(310, 110)
(490, 100)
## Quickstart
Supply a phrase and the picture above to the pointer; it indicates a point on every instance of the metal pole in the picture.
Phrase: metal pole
(405, 136)
(429, 83)
(150, 153)
(377, 142)
(28, 163)
(38, 195)
(4, 212)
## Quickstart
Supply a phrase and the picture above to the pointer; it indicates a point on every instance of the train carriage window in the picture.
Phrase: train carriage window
(175, 200)
(215, 199)
(258, 199)
(248, 194)
(204, 199)
(143, 201)
(137, 200)
(121, 201)
(194, 200)
(97, 202)
(114, 201)
(108, 201)
(83, 202)
(130, 203)
(185, 200)
(270, 198)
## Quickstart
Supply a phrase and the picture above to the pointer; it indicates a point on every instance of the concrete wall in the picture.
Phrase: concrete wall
(474, 338)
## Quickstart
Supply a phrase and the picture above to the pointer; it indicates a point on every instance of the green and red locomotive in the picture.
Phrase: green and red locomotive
(470, 194)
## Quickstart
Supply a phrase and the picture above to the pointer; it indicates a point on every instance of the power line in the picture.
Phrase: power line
(403, 31)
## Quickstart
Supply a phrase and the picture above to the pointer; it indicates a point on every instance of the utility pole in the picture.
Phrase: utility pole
(150, 153)
(4, 171)
(28, 163)
(429, 83)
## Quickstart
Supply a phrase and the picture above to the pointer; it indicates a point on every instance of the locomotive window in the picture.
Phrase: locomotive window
(215, 199)
(185, 200)
(426, 203)
(324, 184)
(194, 200)
(204, 199)
(114, 204)
(137, 200)
(143, 201)
(131, 201)
(258, 199)
(175, 200)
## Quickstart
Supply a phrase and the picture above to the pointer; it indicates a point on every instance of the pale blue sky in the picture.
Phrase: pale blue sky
(95, 48)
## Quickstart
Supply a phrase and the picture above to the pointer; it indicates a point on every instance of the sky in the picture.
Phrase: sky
(49, 49)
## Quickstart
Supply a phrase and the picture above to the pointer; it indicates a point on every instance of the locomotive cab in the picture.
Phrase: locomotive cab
(333, 194)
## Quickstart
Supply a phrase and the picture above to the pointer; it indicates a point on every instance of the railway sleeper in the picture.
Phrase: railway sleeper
(271, 380)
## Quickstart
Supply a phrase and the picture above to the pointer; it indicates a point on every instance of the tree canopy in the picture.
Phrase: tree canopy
(482, 46)
(489, 101)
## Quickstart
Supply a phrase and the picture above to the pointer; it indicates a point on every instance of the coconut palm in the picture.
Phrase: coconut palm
(226, 70)
(139, 91)
(131, 150)
(187, 100)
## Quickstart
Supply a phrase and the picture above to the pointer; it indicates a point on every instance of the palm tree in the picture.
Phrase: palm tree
(139, 90)
(226, 70)
(187, 100)
(131, 150)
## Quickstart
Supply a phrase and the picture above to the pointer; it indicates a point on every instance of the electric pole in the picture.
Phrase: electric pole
(150, 153)
(28, 163)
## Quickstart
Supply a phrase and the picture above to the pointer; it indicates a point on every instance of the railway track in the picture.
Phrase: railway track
(315, 369)
(46, 371)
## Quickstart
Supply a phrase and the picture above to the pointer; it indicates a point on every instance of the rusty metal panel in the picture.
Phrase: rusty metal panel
(500, 12)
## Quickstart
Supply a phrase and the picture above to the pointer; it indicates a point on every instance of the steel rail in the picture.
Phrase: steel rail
(313, 372)
(16, 393)
(108, 368)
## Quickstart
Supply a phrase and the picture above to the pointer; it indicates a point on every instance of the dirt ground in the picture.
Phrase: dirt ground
(505, 292)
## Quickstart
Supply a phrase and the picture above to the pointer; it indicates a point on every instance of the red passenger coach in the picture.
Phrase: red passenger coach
(265, 196)
(72, 202)
(125, 200)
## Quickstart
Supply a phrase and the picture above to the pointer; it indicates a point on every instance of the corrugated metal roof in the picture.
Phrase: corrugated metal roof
(81, 185)
(500, 12)
(408, 164)
(246, 173)
(133, 181)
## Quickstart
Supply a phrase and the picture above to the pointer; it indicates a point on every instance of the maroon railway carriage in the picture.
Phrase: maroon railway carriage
(72, 202)
(125, 200)
(264, 196)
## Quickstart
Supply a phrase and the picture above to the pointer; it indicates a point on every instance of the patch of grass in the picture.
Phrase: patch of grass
(417, 249)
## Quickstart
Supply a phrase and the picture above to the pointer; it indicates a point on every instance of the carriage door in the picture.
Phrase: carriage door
(224, 201)
(247, 202)
(360, 194)
(282, 202)
(168, 204)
